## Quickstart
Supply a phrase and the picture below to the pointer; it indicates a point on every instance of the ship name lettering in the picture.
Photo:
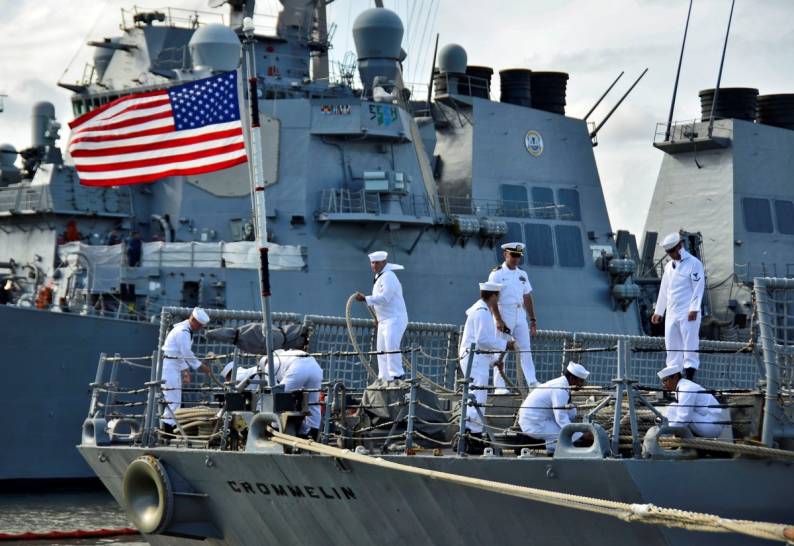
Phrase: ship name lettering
(287, 490)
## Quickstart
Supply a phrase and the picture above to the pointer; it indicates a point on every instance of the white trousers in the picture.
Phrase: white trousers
(480, 370)
(299, 377)
(515, 318)
(172, 393)
(547, 429)
(681, 339)
(390, 334)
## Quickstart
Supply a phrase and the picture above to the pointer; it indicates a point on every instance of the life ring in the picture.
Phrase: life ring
(148, 495)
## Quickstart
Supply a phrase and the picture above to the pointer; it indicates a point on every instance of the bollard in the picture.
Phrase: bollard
(465, 402)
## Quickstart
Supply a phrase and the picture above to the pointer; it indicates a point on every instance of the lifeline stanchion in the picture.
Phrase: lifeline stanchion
(409, 433)
(464, 401)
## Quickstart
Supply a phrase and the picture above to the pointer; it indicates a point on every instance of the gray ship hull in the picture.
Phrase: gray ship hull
(49, 361)
(306, 499)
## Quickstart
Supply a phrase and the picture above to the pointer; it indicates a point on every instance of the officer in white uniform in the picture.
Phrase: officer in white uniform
(516, 310)
(178, 359)
(480, 329)
(548, 407)
(297, 370)
(389, 305)
(680, 297)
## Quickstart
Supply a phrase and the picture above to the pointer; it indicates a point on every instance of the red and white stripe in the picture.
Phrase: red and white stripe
(133, 140)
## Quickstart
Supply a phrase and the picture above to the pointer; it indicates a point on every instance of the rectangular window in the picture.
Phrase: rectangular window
(569, 246)
(514, 235)
(540, 249)
(569, 205)
(757, 215)
(514, 200)
(543, 203)
(784, 212)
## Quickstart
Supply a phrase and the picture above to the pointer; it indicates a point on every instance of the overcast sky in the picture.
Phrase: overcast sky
(592, 40)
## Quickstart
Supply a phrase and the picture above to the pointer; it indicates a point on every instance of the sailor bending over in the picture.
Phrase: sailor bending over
(389, 306)
(178, 359)
(680, 297)
(296, 370)
(548, 407)
(694, 408)
(480, 329)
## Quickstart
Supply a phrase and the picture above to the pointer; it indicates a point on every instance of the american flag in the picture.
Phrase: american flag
(188, 129)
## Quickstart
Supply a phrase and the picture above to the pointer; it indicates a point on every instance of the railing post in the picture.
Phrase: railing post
(330, 399)
(110, 399)
(464, 401)
(100, 372)
(619, 388)
(409, 434)
(149, 415)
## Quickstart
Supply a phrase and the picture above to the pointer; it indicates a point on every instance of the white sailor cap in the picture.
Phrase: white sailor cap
(513, 247)
(378, 256)
(668, 371)
(200, 315)
(490, 286)
(578, 370)
(670, 241)
(227, 369)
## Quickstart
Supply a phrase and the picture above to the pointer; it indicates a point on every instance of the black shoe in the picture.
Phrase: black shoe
(475, 444)
(398, 377)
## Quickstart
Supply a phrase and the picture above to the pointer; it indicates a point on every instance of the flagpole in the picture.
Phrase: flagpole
(258, 192)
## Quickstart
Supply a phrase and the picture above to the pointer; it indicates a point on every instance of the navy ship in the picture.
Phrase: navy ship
(438, 183)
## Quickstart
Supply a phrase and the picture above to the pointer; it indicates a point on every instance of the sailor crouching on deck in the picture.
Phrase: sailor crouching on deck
(548, 407)
(695, 408)
(480, 329)
(178, 358)
(515, 313)
(389, 305)
(680, 297)
(297, 370)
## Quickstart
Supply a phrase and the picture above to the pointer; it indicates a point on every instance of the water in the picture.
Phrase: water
(63, 510)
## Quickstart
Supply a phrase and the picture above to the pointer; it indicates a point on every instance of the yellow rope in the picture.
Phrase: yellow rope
(642, 513)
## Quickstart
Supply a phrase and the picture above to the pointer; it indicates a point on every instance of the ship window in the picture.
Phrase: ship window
(543, 203)
(757, 215)
(569, 246)
(569, 203)
(784, 211)
(514, 235)
(540, 249)
(514, 200)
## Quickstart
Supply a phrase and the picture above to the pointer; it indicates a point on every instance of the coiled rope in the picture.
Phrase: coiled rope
(640, 513)
(360, 353)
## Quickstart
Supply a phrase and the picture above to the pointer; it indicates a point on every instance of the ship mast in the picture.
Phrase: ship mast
(258, 193)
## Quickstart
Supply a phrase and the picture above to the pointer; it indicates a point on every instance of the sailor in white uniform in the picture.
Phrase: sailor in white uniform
(516, 310)
(242, 374)
(297, 370)
(178, 359)
(480, 329)
(694, 408)
(389, 306)
(548, 407)
(679, 301)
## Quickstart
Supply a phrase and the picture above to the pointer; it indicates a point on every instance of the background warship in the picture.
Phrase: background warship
(437, 184)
